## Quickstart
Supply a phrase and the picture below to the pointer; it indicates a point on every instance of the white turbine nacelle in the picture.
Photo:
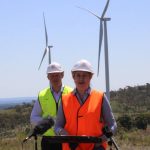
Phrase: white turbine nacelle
(50, 47)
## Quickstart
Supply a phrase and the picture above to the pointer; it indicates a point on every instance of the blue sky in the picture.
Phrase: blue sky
(74, 35)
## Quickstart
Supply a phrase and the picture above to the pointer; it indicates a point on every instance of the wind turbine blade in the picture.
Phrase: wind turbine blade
(89, 12)
(100, 44)
(43, 57)
(46, 36)
(105, 9)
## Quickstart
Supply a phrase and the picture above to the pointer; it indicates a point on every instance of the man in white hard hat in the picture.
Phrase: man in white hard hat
(84, 111)
(47, 104)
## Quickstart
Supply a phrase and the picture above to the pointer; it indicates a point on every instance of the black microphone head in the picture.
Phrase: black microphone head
(43, 126)
(107, 132)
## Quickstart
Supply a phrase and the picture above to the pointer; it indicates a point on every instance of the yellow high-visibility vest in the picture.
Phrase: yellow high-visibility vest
(49, 106)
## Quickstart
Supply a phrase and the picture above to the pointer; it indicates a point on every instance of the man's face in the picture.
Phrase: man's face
(55, 78)
(82, 79)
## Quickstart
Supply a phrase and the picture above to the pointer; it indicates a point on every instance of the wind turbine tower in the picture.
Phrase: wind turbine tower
(47, 48)
(103, 34)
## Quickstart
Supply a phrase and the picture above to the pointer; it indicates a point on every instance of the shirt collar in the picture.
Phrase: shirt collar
(61, 90)
(88, 91)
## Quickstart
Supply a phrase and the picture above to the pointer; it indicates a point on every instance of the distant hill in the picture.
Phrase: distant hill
(10, 102)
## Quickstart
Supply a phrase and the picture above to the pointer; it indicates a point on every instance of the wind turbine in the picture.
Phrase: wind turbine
(47, 48)
(103, 29)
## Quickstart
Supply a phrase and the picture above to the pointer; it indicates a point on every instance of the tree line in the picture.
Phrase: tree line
(131, 106)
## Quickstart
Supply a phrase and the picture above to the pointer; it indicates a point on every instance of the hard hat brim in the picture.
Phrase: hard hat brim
(84, 70)
(55, 72)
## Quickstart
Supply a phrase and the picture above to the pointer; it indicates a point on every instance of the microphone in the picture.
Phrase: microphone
(41, 128)
(107, 132)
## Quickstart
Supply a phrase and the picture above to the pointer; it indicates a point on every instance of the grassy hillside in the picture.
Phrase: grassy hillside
(130, 105)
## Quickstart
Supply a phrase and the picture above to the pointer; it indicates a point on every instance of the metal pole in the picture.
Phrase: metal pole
(106, 59)
(49, 54)
(35, 142)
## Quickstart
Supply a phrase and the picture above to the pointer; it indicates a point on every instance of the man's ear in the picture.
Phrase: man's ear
(62, 74)
(48, 76)
(73, 74)
(91, 75)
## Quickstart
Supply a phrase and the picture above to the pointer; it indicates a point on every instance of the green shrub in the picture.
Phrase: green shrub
(141, 122)
(125, 121)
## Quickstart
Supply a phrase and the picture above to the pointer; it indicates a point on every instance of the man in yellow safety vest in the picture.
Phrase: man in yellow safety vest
(48, 101)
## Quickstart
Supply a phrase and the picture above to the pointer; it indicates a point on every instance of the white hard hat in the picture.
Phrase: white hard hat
(83, 65)
(54, 68)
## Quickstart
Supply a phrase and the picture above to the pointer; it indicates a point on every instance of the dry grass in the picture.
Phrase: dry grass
(16, 144)
(134, 140)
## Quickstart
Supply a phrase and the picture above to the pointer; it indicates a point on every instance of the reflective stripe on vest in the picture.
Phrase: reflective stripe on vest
(48, 105)
(85, 119)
